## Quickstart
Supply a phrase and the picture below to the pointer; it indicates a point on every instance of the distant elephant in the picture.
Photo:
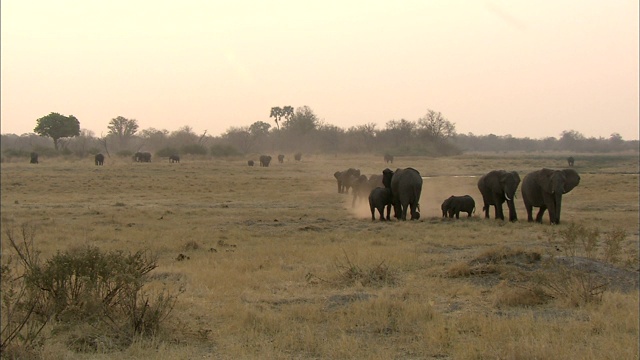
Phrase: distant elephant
(34, 158)
(174, 158)
(544, 189)
(496, 187)
(388, 158)
(456, 204)
(297, 156)
(99, 159)
(265, 160)
(379, 198)
(570, 161)
(346, 178)
(406, 187)
(360, 188)
(142, 157)
(280, 158)
(250, 162)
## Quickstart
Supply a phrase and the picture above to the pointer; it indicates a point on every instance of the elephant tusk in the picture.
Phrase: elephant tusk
(507, 197)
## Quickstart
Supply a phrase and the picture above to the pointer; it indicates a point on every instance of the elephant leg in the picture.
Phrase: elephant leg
(498, 212)
(513, 216)
(529, 209)
(457, 214)
(485, 208)
(543, 208)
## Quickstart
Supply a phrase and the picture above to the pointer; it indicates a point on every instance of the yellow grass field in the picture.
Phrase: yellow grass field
(276, 264)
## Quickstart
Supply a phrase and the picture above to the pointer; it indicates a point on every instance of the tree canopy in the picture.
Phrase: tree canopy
(123, 129)
(57, 126)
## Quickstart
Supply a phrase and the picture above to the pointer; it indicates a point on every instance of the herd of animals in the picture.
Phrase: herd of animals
(401, 189)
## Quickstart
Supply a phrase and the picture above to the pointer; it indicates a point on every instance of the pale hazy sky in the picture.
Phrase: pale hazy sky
(519, 67)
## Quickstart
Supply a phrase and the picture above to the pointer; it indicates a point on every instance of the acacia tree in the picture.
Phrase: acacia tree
(123, 129)
(57, 126)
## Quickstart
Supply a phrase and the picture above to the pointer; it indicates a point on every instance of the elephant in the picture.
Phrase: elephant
(34, 158)
(280, 158)
(388, 158)
(496, 187)
(265, 160)
(406, 187)
(570, 161)
(544, 189)
(250, 162)
(456, 204)
(175, 158)
(99, 159)
(297, 156)
(346, 178)
(379, 198)
(142, 157)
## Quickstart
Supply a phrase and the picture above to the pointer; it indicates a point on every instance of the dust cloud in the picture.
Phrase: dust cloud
(434, 191)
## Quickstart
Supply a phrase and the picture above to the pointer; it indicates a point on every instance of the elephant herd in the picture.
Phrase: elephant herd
(401, 189)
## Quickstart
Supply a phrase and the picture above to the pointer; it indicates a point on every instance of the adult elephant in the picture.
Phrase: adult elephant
(496, 187)
(265, 160)
(544, 189)
(571, 161)
(280, 158)
(297, 156)
(142, 156)
(99, 159)
(33, 158)
(406, 187)
(388, 158)
(175, 158)
(346, 179)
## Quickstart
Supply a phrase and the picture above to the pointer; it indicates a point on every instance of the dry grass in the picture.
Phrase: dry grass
(277, 264)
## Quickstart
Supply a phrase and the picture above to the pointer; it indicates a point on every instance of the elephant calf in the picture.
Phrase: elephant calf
(454, 205)
(378, 199)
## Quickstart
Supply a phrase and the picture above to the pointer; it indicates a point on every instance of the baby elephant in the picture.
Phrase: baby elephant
(456, 204)
(378, 199)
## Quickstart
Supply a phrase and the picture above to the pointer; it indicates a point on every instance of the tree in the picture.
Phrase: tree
(123, 129)
(434, 126)
(302, 122)
(278, 113)
(57, 126)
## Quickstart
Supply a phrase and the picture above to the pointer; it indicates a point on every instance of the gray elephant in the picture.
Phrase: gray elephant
(360, 189)
(496, 187)
(33, 158)
(250, 162)
(454, 205)
(388, 158)
(406, 187)
(544, 189)
(175, 158)
(379, 198)
(99, 159)
(265, 160)
(346, 179)
(297, 156)
(142, 157)
(571, 161)
(280, 158)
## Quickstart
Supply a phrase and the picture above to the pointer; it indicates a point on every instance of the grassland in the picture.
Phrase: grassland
(277, 265)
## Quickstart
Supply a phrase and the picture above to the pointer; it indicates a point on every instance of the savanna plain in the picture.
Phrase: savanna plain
(274, 263)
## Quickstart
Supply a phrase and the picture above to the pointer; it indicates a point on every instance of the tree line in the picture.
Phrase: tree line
(299, 130)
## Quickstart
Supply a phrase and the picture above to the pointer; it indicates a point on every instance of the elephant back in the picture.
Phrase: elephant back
(406, 185)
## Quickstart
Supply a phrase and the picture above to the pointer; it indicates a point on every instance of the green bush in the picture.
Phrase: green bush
(194, 149)
(167, 151)
(223, 150)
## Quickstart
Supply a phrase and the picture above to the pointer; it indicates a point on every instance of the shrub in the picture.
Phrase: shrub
(168, 151)
(194, 149)
(219, 150)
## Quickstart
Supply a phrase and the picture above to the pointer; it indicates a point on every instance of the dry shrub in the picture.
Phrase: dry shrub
(508, 295)
(350, 274)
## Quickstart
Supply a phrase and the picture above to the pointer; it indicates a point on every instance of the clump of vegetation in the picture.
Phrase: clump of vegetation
(350, 274)
(220, 150)
(193, 149)
(167, 151)
(86, 288)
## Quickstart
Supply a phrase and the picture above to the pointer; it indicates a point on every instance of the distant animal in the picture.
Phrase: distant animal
(360, 189)
(496, 187)
(544, 189)
(456, 204)
(280, 158)
(34, 158)
(142, 156)
(99, 159)
(175, 158)
(346, 179)
(406, 187)
(570, 161)
(379, 198)
(297, 156)
(265, 160)
(388, 158)
(250, 162)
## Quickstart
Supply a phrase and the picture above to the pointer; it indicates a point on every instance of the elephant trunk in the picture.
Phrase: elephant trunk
(557, 197)
(512, 210)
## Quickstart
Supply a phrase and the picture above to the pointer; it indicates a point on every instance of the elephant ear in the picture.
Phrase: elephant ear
(337, 175)
(572, 179)
(544, 180)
